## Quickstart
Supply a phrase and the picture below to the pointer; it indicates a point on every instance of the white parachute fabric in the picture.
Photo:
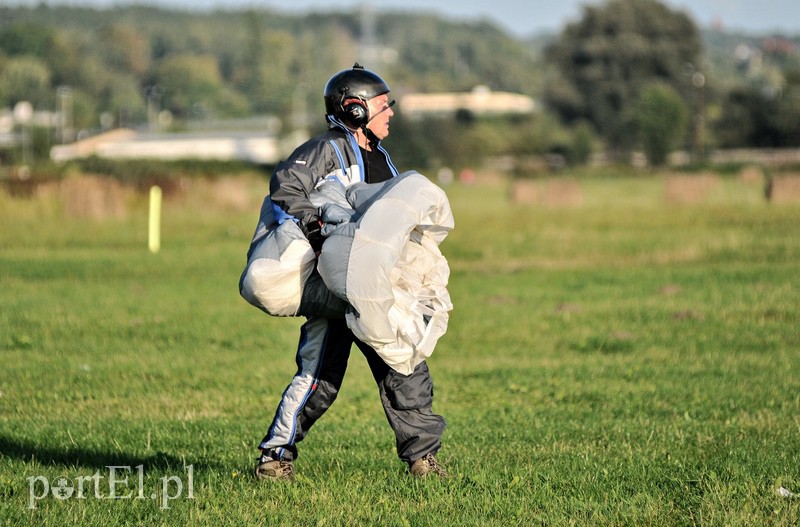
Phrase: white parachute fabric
(276, 277)
(278, 265)
(277, 270)
(381, 257)
(388, 266)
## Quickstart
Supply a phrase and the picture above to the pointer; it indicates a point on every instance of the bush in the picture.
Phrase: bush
(661, 116)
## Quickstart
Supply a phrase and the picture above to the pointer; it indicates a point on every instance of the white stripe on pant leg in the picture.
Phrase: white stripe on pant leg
(309, 358)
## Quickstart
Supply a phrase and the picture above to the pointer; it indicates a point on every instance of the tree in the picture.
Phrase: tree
(123, 49)
(26, 39)
(753, 118)
(189, 83)
(122, 98)
(275, 73)
(607, 58)
(25, 79)
(661, 116)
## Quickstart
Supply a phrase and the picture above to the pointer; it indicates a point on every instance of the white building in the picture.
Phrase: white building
(480, 101)
(255, 147)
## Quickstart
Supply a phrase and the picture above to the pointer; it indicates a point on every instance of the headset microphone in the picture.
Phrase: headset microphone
(389, 105)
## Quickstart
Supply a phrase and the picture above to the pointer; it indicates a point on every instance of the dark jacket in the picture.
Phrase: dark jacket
(330, 155)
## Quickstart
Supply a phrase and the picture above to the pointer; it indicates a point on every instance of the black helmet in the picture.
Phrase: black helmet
(347, 92)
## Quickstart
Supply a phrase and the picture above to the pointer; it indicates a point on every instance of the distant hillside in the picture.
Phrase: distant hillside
(122, 64)
(424, 51)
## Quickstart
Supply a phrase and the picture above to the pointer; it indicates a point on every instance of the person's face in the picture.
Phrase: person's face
(381, 112)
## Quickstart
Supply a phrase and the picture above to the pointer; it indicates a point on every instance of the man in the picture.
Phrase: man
(358, 111)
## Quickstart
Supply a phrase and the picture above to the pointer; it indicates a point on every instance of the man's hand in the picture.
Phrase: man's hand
(334, 215)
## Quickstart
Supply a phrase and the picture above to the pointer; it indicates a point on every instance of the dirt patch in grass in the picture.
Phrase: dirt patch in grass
(784, 188)
(684, 189)
(91, 197)
(751, 175)
(551, 192)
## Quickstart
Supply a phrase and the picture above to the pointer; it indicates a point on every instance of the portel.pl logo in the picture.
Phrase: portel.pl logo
(123, 483)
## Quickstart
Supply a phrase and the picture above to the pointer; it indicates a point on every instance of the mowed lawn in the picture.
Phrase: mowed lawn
(621, 359)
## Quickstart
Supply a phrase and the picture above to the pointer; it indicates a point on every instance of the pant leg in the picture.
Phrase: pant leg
(322, 355)
(407, 401)
(334, 365)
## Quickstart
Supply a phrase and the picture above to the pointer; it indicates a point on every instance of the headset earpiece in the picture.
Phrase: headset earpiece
(354, 113)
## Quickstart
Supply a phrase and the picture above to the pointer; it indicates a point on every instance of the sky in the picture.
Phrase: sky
(519, 17)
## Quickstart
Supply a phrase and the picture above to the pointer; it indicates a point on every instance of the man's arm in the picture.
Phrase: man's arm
(291, 185)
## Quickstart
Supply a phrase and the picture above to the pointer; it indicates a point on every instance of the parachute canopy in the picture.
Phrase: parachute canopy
(388, 267)
(381, 257)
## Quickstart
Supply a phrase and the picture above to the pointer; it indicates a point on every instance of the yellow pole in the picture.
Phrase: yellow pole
(154, 225)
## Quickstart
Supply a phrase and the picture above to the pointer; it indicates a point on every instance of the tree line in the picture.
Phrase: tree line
(629, 74)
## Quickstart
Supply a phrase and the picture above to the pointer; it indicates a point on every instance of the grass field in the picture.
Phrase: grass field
(622, 362)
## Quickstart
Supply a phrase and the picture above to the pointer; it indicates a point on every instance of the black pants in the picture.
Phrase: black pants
(322, 357)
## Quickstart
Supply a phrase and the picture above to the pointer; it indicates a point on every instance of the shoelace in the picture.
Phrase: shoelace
(434, 465)
(287, 467)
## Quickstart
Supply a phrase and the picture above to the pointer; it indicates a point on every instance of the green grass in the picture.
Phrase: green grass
(625, 362)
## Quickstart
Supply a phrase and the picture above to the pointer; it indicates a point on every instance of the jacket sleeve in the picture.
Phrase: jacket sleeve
(295, 178)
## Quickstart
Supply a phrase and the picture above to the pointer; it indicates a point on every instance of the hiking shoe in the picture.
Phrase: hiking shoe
(269, 469)
(427, 465)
